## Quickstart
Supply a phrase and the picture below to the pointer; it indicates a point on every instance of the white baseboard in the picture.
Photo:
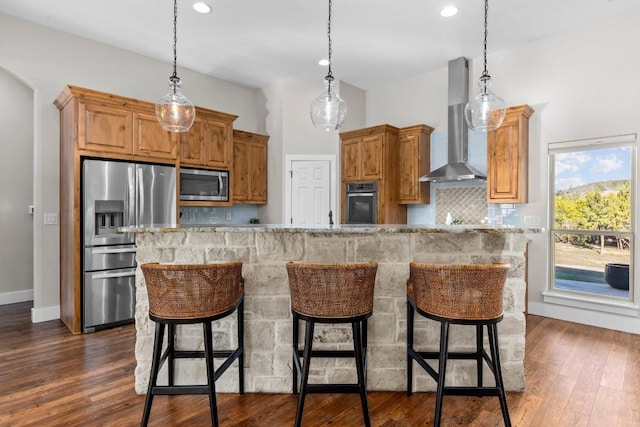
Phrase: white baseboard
(586, 317)
(14, 297)
(45, 314)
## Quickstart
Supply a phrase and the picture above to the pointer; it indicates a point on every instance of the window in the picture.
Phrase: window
(592, 188)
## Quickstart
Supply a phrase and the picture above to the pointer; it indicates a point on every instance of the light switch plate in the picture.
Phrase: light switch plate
(50, 218)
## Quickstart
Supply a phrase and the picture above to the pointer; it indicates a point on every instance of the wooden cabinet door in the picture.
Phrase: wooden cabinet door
(150, 140)
(104, 128)
(414, 161)
(407, 167)
(240, 178)
(192, 144)
(351, 160)
(372, 157)
(258, 172)
(218, 144)
(507, 158)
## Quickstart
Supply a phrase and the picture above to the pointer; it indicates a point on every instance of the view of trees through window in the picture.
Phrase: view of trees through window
(592, 228)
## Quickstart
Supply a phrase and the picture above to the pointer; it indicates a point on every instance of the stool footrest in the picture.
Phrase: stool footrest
(471, 391)
(333, 388)
(179, 389)
(329, 353)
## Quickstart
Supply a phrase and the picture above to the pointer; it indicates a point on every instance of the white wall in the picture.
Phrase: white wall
(16, 190)
(582, 84)
(48, 60)
(292, 132)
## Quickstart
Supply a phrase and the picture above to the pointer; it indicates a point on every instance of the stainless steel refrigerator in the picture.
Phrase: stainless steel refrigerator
(116, 194)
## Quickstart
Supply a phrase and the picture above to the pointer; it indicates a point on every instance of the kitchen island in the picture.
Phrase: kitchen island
(265, 249)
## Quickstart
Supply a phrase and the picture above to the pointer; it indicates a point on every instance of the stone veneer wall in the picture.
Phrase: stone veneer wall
(268, 318)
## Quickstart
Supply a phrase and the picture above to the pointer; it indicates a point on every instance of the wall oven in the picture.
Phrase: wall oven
(361, 203)
(204, 185)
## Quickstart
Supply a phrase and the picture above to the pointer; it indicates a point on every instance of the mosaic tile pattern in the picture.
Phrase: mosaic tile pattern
(466, 204)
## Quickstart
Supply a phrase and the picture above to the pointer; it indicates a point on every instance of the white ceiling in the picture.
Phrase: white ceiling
(256, 42)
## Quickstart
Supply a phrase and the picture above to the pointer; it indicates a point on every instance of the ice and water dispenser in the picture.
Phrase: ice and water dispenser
(109, 215)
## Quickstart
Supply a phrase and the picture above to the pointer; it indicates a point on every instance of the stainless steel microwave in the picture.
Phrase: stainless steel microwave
(204, 185)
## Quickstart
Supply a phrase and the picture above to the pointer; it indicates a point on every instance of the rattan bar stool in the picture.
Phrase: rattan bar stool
(331, 293)
(188, 294)
(458, 294)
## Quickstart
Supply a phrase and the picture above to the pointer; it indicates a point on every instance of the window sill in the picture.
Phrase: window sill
(624, 308)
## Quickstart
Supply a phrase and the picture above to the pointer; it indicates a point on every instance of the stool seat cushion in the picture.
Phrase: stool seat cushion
(332, 290)
(192, 291)
(458, 291)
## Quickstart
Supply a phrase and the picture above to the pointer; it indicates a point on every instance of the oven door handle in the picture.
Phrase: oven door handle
(360, 194)
(113, 275)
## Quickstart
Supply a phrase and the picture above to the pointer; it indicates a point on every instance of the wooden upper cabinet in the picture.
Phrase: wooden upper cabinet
(250, 176)
(508, 158)
(149, 139)
(362, 155)
(192, 144)
(351, 163)
(104, 128)
(414, 145)
(209, 141)
(218, 143)
(372, 157)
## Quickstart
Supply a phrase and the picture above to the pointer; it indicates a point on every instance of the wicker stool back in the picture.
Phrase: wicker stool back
(192, 291)
(464, 292)
(332, 290)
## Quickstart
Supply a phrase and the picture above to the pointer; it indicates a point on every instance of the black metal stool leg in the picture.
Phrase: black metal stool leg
(360, 368)
(153, 374)
(241, 346)
(410, 319)
(479, 349)
(442, 369)
(495, 358)
(170, 353)
(208, 355)
(296, 358)
(308, 343)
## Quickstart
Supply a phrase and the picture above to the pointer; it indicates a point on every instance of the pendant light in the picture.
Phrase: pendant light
(174, 111)
(328, 110)
(486, 111)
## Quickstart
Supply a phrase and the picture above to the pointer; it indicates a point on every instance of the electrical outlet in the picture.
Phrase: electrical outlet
(50, 218)
(228, 216)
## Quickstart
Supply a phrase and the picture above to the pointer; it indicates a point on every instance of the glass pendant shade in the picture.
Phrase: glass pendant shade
(174, 111)
(328, 110)
(486, 111)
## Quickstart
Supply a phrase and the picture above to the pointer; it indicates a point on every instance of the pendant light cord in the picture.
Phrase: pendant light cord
(485, 73)
(175, 39)
(329, 77)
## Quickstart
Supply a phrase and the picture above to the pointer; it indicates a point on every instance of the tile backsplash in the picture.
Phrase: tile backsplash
(468, 205)
(236, 214)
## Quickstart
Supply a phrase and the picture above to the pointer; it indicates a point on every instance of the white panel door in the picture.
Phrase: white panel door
(310, 192)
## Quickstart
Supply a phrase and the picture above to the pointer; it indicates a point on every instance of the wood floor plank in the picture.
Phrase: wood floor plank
(576, 375)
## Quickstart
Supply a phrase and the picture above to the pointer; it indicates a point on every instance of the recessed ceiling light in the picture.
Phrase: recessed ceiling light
(201, 7)
(323, 62)
(448, 11)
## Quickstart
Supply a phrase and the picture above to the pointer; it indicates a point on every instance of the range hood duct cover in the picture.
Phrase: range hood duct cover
(457, 167)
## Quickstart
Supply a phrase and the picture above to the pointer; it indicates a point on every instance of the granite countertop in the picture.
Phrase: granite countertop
(347, 228)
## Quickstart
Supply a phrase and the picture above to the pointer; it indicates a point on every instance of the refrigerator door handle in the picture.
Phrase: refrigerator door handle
(139, 195)
(130, 203)
(113, 275)
(113, 251)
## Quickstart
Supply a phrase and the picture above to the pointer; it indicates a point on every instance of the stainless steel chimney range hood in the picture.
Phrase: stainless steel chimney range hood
(457, 167)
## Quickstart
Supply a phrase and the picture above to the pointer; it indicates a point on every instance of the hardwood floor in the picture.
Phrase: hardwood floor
(576, 376)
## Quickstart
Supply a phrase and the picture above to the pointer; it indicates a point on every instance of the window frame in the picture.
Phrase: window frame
(629, 306)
